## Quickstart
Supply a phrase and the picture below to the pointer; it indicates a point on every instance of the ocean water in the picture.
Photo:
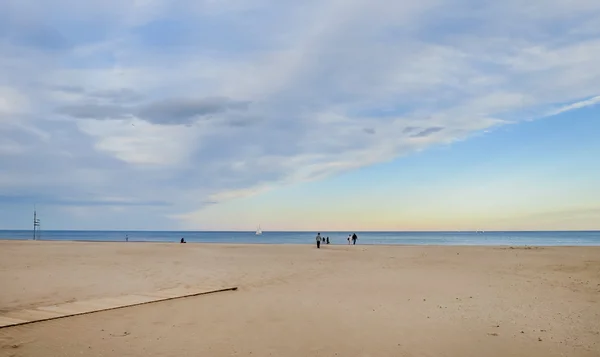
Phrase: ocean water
(545, 238)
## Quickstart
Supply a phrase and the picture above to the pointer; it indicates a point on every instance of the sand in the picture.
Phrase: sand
(299, 301)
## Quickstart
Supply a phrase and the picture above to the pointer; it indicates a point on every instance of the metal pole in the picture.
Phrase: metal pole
(34, 222)
(36, 225)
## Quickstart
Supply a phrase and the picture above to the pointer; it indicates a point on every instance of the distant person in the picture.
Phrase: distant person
(354, 238)
(349, 237)
(182, 240)
(127, 238)
(327, 240)
(319, 240)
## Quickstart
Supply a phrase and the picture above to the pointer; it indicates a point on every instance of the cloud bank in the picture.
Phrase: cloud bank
(188, 103)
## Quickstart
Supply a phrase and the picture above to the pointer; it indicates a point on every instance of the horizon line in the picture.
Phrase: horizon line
(307, 231)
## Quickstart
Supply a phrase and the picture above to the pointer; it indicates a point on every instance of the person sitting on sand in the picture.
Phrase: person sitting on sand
(182, 240)
(318, 240)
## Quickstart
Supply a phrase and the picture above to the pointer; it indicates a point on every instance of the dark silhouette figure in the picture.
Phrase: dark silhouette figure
(327, 240)
(354, 238)
(318, 240)
(182, 241)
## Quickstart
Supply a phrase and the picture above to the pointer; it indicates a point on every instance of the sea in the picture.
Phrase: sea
(495, 238)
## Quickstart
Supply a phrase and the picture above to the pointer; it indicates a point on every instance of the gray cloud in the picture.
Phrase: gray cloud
(95, 111)
(115, 96)
(242, 120)
(68, 89)
(369, 130)
(427, 132)
(51, 200)
(165, 112)
(122, 95)
(186, 111)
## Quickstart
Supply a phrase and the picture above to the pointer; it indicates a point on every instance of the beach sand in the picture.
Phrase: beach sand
(299, 301)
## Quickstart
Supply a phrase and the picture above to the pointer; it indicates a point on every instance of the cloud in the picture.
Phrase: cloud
(163, 112)
(12, 102)
(50, 200)
(68, 89)
(120, 95)
(185, 111)
(576, 105)
(369, 130)
(427, 132)
(94, 111)
(191, 102)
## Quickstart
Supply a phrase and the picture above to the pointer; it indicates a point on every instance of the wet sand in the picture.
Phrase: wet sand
(299, 301)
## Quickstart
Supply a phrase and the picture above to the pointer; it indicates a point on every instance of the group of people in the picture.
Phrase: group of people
(351, 237)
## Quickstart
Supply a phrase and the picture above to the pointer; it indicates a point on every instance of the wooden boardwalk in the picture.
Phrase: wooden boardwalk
(44, 313)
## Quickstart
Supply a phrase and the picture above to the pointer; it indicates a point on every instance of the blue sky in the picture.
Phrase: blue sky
(313, 115)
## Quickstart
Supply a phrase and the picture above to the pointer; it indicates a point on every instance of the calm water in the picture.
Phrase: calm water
(581, 238)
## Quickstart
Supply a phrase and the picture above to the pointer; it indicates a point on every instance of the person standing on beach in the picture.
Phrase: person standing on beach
(319, 240)
(127, 238)
(349, 237)
(354, 238)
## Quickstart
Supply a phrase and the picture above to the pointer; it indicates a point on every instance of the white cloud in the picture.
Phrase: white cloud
(330, 86)
(141, 143)
(576, 105)
(11, 102)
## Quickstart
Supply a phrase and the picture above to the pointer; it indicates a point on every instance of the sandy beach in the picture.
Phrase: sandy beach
(299, 301)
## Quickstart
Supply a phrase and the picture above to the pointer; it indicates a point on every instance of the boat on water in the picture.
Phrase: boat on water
(258, 231)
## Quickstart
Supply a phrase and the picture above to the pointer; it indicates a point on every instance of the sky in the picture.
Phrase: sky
(300, 115)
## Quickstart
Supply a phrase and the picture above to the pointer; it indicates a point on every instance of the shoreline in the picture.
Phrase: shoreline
(323, 246)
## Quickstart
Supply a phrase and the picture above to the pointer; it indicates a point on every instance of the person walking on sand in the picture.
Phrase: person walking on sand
(327, 240)
(354, 238)
(349, 237)
(319, 240)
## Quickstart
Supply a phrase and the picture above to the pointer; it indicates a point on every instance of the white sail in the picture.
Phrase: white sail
(258, 231)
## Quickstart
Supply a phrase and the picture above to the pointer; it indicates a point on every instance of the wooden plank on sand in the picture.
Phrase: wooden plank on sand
(45, 313)
(8, 321)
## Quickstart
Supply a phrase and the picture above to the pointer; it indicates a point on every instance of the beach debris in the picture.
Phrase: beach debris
(540, 339)
(493, 334)
(522, 331)
(123, 335)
